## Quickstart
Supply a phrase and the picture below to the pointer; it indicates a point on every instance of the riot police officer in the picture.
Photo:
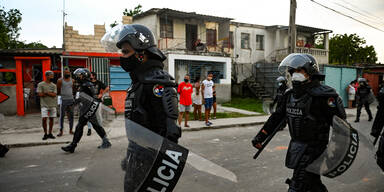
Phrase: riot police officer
(362, 95)
(308, 108)
(377, 128)
(282, 83)
(151, 100)
(88, 107)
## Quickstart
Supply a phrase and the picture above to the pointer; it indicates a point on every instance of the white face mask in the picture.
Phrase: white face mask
(298, 77)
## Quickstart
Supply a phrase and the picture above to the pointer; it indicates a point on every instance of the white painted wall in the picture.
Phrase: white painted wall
(251, 55)
(226, 60)
(151, 22)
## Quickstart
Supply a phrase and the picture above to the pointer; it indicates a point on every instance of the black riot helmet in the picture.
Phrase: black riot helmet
(82, 74)
(304, 61)
(140, 38)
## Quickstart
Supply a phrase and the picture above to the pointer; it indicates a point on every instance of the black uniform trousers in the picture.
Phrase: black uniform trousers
(80, 126)
(366, 106)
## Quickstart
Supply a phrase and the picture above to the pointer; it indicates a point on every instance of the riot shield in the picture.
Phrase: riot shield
(349, 156)
(150, 163)
(88, 105)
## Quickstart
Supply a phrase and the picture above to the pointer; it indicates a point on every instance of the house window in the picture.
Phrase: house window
(260, 42)
(245, 40)
(229, 41)
(166, 28)
(211, 37)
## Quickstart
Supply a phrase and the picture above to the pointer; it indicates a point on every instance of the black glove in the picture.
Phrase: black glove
(173, 131)
(259, 139)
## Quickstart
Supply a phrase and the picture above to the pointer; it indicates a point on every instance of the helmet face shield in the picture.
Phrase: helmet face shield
(295, 61)
(110, 39)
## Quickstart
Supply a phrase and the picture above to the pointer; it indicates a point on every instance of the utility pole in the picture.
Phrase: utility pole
(292, 27)
(64, 14)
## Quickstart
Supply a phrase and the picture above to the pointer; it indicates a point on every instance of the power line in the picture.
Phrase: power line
(377, 21)
(366, 12)
(362, 22)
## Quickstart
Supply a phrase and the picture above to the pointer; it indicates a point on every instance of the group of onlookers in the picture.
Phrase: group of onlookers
(196, 95)
(62, 94)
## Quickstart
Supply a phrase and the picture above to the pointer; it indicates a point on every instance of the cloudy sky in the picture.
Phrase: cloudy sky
(42, 19)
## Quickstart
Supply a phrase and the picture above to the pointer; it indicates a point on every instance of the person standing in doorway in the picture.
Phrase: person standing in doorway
(185, 90)
(197, 100)
(47, 92)
(207, 93)
(65, 88)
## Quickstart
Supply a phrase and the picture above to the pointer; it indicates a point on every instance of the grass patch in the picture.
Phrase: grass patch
(220, 115)
(250, 104)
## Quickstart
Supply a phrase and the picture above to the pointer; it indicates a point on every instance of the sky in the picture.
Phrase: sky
(42, 20)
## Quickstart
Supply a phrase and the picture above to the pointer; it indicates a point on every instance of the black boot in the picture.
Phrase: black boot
(357, 120)
(69, 148)
(3, 150)
(370, 118)
(105, 144)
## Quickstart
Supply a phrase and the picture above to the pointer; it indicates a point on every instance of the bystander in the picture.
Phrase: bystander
(185, 90)
(197, 100)
(65, 87)
(48, 103)
(207, 93)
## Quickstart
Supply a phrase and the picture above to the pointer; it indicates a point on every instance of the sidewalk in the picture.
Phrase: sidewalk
(26, 131)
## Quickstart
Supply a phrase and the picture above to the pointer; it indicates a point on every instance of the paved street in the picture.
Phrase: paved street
(47, 168)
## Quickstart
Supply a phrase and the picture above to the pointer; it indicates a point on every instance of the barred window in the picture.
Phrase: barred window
(166, 28)
(211, 37)
(260, 42)
(245, 40)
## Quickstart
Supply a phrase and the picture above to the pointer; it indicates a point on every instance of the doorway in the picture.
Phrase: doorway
(32, 76)
(190, 36)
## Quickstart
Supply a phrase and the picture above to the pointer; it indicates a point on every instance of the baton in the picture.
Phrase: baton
(269, 139)
(375, 141)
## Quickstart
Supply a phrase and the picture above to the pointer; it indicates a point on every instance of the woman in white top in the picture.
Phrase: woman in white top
(351, 94)
(197, 100)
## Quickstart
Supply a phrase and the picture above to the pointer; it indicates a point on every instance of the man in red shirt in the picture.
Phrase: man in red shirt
(185, 90)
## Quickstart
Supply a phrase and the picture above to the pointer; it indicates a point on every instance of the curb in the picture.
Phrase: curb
(34, 144)
(223, 126)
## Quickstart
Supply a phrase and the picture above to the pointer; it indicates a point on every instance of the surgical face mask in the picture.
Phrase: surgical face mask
(186, 80)
(298, 77)
(67, 76)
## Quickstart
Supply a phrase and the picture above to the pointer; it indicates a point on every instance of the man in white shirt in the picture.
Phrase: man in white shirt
(207, 93)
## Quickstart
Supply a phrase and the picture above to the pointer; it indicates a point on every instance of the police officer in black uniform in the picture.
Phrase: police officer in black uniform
(377, 128)
(282, 83)
(362, 95)
(87, 112)
(308, 108)
(151, 100)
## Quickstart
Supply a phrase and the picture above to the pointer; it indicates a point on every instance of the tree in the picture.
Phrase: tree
(350, 49)
(9, 31)
(132, 12)
(9, 28)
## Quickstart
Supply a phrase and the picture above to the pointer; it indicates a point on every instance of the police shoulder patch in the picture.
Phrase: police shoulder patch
(158, 90)
(331, 102)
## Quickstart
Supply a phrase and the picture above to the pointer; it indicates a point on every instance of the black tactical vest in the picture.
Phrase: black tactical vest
(303, 126)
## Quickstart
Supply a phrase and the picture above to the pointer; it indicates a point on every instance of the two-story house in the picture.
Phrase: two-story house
(194, 44)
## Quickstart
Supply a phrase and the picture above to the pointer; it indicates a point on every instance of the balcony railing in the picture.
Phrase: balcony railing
(320, 54)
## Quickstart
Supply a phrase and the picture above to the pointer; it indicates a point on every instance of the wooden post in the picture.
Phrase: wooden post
(292, 28)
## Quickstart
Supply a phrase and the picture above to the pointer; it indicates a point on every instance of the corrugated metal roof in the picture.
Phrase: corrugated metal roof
(50, 51)
(301, 28)
(180, 14)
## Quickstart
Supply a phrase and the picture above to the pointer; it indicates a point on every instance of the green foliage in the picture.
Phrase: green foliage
(350, 49)
(9, 28)
(113, 24)
(132, 12)
(9, 31)
(250, 104)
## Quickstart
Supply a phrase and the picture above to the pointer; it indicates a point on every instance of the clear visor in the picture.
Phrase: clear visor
(109, 40)
(293, 61)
